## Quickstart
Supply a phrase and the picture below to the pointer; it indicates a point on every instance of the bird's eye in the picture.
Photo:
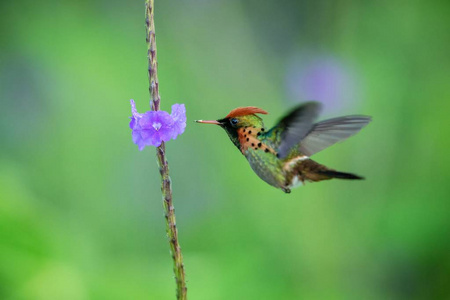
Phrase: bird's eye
(234, 121)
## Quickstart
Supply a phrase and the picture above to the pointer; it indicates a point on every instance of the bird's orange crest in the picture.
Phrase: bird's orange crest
(243, 111)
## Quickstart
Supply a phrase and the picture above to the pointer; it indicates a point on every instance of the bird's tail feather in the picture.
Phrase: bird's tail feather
(340, 175)
(312, 171)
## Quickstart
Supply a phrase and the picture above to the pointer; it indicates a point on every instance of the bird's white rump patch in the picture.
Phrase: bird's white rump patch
(291, 163)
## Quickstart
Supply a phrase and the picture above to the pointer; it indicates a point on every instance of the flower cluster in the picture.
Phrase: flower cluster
(154, 127)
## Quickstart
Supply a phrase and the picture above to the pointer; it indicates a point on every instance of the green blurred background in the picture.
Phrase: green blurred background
(81, 212)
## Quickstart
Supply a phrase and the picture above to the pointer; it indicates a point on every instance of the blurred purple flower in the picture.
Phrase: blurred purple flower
(324, 79)
(154, 127)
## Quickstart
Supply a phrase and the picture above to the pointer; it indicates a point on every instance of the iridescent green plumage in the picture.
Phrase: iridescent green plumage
(280, 156)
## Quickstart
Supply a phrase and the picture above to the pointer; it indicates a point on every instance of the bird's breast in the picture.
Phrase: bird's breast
(249, 138)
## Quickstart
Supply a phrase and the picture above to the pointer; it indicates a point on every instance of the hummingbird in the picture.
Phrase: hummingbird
(281, 155)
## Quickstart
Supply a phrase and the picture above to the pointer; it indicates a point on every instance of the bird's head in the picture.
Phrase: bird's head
(241, 117)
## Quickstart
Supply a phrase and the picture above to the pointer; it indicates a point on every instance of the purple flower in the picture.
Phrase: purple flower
(323, 78)
(179, 117)
(154, 127)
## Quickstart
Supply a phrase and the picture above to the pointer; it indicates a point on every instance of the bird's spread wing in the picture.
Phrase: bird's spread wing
(294, 127)
(329, 132)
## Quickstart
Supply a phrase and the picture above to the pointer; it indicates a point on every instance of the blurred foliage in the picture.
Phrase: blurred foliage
(80, 209)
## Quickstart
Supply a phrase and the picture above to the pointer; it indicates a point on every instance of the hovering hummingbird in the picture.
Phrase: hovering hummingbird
(280, 156)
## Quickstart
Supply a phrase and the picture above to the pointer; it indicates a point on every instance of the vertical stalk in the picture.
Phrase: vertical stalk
(166, 185)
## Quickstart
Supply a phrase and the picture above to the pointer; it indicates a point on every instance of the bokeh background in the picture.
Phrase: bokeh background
(80, 207)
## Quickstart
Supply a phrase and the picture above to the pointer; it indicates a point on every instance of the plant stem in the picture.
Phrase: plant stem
(166, 185)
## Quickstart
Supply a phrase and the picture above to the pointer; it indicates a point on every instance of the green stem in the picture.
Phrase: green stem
(166, 185)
